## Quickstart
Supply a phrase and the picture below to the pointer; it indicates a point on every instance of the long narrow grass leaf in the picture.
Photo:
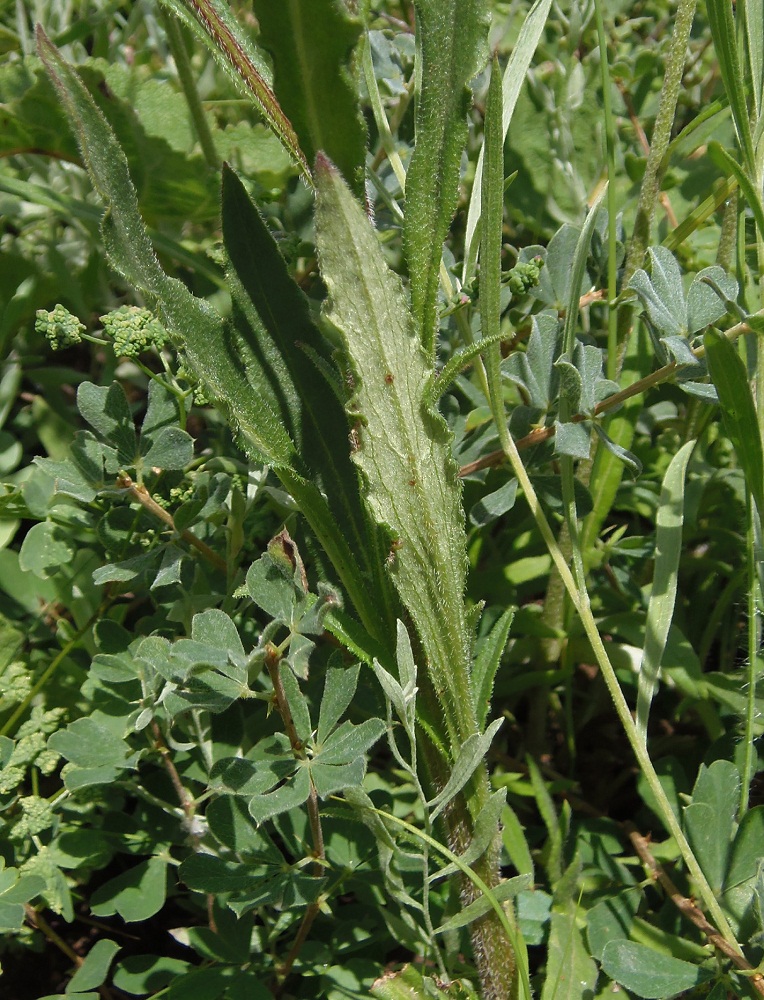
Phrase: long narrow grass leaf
(212, 348)
(311, 43)
(660, 611)
(730, 165)
(754, 36)
(722, 24)
(729, 375)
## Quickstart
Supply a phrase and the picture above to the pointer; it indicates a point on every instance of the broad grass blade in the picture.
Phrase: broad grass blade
(214, 24)
(312, 42)
(660, 611)
(722, 25)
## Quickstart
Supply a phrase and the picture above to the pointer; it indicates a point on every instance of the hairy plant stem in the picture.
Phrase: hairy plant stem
(661, 137)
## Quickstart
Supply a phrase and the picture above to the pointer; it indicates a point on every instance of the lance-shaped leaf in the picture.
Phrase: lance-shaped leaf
(281, 347)
(403, 450)
(311, 42)
(451, 37)
(215, 25)
(214, 350)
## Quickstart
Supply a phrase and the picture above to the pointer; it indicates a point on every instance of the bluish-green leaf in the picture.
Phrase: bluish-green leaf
(298, 706)
(339, 688)
(471, 754)
(662, 293)
(172, 448)
(288, 796)
(487, 663)
(95, 968)
(45, 550)
(704, 304)
(350, 741)
(710, 819)
(660, 611)
(494, 505)
(106, 410)
(505, 890)
(135, 895)
(570, 971)
(330, 778)
(648, 973)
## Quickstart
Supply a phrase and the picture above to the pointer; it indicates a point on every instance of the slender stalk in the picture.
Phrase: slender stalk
(55, 663)
(661, 137)
(580, 599)
(177, 44)
(272, 661)
(612, 207)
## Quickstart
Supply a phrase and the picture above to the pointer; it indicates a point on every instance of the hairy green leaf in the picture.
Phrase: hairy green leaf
(402, 450)
(451, 39)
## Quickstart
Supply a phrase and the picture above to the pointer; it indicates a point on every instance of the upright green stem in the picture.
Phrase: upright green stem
(661, 137)
(177, 44)
(583, 607)
(612, 207)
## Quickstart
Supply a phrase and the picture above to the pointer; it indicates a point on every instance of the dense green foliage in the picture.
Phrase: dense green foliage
(381, 490)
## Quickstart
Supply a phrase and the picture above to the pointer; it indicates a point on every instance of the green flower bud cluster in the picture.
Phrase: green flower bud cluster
(523, 277)
(59, 327)
(134, 330)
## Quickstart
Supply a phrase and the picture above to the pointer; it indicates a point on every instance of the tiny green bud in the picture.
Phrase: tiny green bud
(59, 327)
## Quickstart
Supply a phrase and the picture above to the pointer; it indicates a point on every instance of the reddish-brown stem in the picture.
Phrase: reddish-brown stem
(690, 909)
(139, 493)
(272, 661)
(541, 434)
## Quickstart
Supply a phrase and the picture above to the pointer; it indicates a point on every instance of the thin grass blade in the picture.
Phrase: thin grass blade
(729, 375)
(722, 24)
